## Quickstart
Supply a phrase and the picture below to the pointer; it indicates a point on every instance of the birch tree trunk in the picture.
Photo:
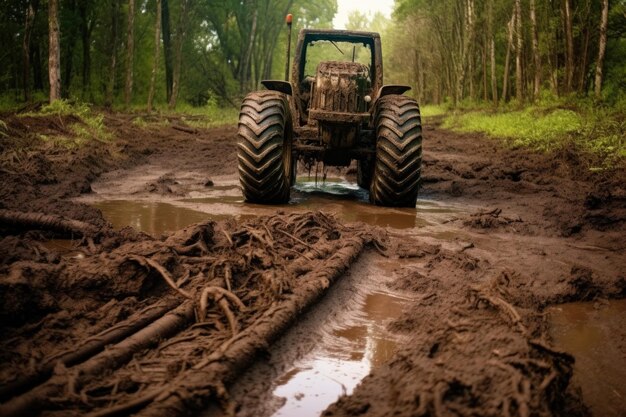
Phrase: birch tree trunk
(130, 46)
(54, 51)
(178, 51)
(157, 44)
(601, 48)
(536, 57)
(518, 52)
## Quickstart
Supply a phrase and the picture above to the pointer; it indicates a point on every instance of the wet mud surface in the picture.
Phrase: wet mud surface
(499, 294)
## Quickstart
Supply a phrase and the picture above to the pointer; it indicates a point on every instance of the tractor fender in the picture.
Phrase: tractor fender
(278, 85)
(392, 89)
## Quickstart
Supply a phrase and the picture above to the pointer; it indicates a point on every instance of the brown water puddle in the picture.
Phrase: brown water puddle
(596, 336)
(342, 359)
(343, 199)
(150, 217)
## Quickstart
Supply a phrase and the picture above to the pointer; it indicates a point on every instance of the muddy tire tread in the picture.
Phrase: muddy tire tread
(261, 134)
(397, 170)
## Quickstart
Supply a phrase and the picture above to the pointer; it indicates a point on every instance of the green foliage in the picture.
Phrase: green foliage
(529, 127)
(596, 130)
(85, 125)
(433, 110)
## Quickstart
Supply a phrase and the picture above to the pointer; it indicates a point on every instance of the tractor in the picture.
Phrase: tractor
(335, 109)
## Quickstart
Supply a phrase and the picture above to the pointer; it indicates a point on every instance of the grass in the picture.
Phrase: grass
(433, 110)
(208, 116)
(89, 126)
(595, 130)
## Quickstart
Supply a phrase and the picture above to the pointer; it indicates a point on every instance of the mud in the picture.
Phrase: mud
(593, 333)
(498, 240)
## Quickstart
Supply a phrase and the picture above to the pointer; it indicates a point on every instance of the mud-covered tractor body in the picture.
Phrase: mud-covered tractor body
(334, 110)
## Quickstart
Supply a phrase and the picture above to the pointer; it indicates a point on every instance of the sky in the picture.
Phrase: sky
(364, 6)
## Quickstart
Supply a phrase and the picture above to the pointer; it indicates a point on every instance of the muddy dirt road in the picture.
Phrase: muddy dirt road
(501, 293)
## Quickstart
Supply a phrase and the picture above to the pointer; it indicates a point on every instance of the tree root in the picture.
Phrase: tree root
(236, 353)
(482, 295)
(31, 402)
(40, 221)
(147, 262)
(221, 296)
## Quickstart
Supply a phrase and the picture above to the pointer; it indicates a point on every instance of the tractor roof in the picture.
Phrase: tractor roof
(337, 35)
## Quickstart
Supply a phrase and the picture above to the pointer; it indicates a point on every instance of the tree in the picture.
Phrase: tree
(507, 59)
(31, 9)
(130, 42)
(178, 51)
(519, 94)
(536, 57)
(157, 44)
(601, 48)
(569, 42)
(492, 55)
(54, 51)
(167, 48)
(87, 23)
(110, 85)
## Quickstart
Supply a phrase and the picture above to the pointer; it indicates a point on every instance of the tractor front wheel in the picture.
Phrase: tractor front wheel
(264, 148)
(397, 169)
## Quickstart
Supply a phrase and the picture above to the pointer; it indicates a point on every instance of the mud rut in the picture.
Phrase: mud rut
(124, 322)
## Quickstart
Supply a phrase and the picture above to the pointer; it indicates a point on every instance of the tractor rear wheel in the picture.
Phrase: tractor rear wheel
(364, 171)
(397, 169)
(264, 148)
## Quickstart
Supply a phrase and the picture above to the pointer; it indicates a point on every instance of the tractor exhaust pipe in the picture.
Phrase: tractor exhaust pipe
(288, 20)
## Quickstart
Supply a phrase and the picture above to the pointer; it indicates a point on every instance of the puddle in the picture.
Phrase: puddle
(150, 217)
(597, 339)
(343, 358)
(344, 199)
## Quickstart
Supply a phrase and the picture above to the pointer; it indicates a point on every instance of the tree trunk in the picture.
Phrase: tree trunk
(245, 67)
(178, 51)
(54, 51)
(28, 29)
(601, 48)
(484, 58)
(38, 83)
(155, 64)
(518, 52)
(70, 43)
(108, 100)
(167, 48)
(492, 53)
(130, 46)
(465, 48)
(569, 42)
(536, 57)
(86, 27)
(507, 60)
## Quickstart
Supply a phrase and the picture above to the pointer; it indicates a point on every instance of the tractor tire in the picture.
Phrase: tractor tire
(264, 148)
(364, 172)
(396, 178)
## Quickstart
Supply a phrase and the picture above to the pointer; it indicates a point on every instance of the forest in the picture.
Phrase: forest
(162, 52)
